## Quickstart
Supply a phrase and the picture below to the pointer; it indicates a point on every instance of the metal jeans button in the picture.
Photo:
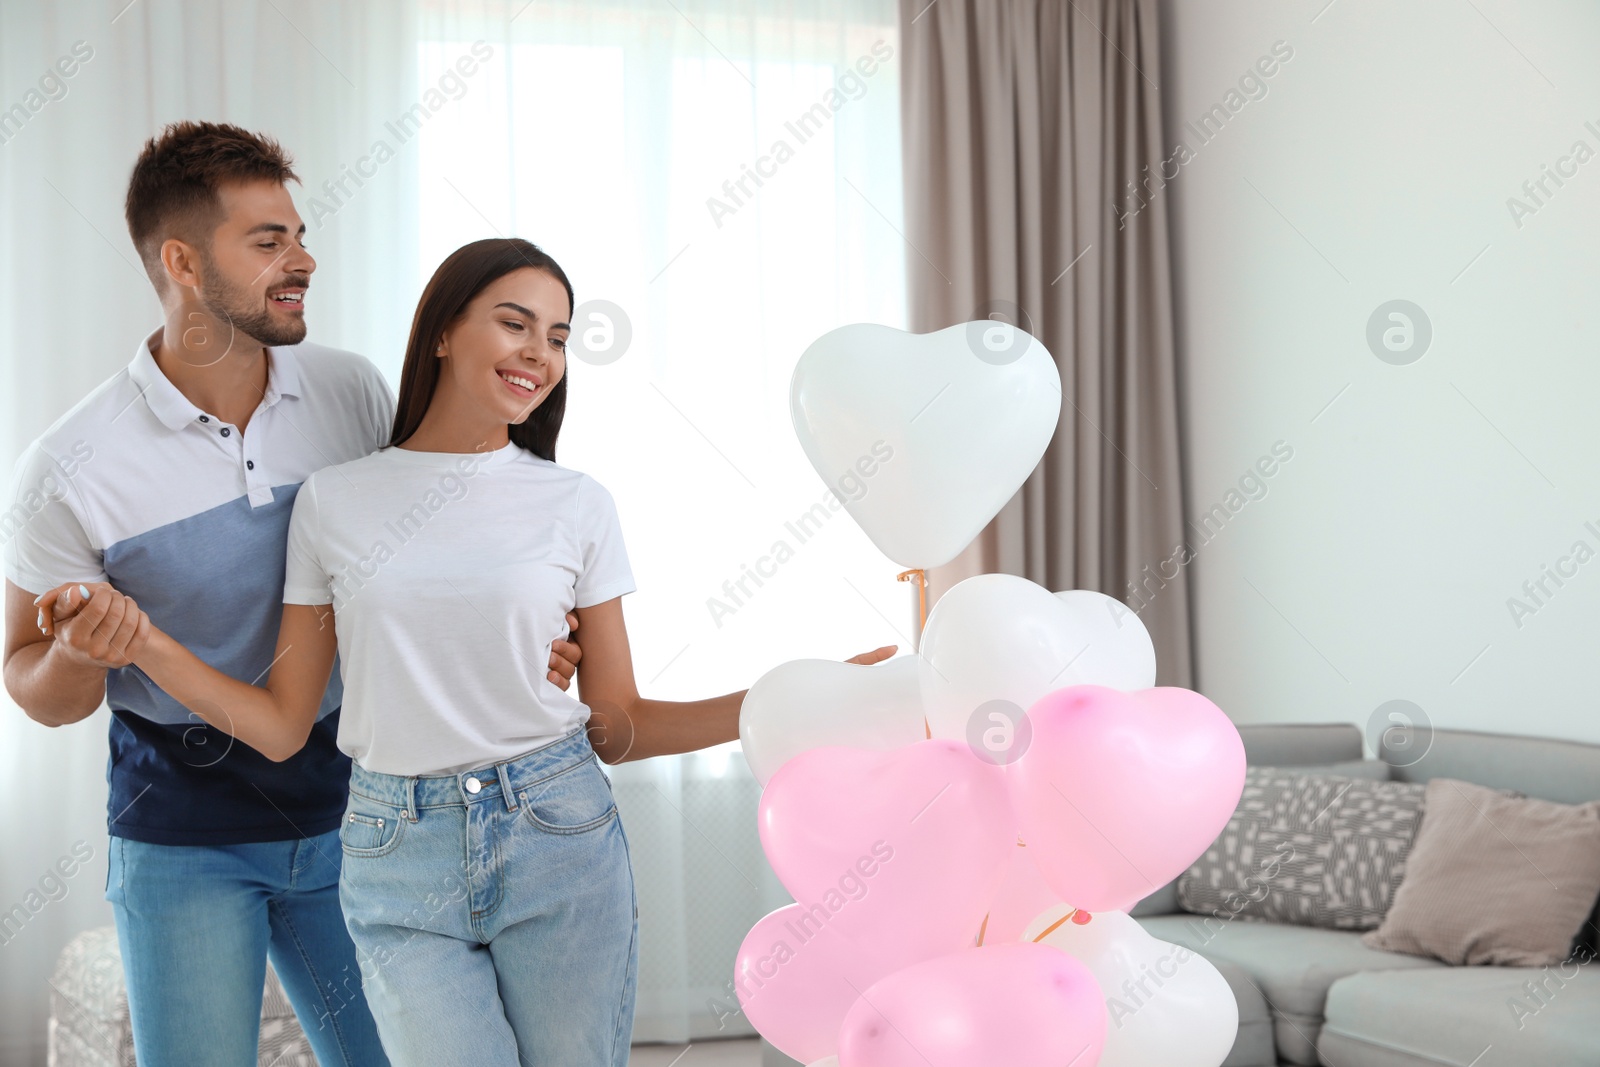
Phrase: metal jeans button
(473, 785)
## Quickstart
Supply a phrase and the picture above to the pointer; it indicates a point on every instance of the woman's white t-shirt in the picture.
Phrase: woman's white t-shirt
(450, 576)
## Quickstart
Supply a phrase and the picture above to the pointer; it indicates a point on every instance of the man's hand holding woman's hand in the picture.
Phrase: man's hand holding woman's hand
(93, 624)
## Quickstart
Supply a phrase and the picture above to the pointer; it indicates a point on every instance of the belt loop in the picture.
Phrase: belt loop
(411, 798)
(505, 786)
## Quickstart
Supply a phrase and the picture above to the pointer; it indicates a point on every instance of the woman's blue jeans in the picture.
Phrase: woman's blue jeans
(493, 912)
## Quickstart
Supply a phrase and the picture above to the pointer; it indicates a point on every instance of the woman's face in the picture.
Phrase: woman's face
(507, 349)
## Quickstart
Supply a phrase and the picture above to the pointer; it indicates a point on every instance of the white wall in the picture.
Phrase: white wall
(1380, 561)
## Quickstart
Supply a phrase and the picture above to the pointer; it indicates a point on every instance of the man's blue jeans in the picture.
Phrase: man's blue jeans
(196, 924)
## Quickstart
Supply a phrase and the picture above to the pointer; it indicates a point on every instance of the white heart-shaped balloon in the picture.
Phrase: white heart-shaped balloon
(925, 436)
(809, 703)
(1166, 1004)
(999, 637)
(1119, 652)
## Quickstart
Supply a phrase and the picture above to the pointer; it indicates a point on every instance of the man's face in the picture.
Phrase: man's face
(255, 275)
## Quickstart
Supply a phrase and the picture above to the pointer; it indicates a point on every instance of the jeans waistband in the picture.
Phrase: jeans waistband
(500, 782)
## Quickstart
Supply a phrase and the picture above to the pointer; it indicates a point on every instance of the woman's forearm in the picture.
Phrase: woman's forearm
(664, 727)
(250, 713)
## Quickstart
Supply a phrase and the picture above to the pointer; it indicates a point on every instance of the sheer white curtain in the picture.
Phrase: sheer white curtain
(727, 175)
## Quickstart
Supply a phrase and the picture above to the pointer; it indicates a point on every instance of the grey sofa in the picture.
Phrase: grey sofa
(1312, 996)
(1320, 998)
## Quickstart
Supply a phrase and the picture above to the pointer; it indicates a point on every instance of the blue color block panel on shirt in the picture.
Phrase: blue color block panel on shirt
(214, 582)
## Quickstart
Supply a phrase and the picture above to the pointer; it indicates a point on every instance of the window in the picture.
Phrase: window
(731, 182)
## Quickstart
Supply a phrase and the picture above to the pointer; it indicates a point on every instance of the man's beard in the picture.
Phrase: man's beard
(239, 308)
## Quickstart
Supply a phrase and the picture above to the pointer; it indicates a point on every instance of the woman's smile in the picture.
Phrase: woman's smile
(523, 385)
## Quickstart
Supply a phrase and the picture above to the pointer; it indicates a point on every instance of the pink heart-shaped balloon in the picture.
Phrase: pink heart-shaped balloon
(796, 979)
(1118, 793)
(1022, 1005)
(903, 847)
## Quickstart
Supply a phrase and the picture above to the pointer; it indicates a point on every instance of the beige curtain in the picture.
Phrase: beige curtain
(1027, 125)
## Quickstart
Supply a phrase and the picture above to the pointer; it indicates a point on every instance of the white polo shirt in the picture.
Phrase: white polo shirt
(138, 487)
(450, 576)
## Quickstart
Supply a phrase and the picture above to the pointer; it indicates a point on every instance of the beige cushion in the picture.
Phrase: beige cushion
(1494, 879)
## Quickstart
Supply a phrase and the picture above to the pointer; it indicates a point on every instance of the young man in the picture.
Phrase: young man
(173, 481)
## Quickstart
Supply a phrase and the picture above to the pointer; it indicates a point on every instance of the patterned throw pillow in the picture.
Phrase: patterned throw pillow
(1317, 850)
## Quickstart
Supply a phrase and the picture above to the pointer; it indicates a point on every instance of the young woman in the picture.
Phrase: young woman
(486, 879)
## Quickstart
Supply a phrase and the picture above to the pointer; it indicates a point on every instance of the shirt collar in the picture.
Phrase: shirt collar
(176, 411)
(283, 375)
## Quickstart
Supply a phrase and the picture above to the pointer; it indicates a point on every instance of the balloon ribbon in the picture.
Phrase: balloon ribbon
(918, 575)
(921, 578)
(1078, 916)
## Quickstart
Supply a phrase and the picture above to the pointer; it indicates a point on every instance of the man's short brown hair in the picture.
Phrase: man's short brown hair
(173, 189)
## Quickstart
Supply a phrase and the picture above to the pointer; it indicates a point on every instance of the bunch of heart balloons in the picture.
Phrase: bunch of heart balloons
(963, 830)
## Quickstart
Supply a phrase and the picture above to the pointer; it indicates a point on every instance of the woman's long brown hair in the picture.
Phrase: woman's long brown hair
(464, 274)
